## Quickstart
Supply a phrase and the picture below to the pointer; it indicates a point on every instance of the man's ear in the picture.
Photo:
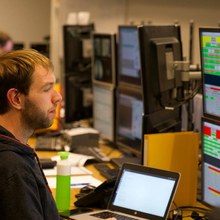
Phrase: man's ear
(14, 98)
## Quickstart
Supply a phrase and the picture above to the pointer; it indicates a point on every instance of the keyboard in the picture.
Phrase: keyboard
(92, 151)
(47, 143)
(105, 215)
(110, 173)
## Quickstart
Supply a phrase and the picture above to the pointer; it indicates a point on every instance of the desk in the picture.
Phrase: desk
(96, 174)
(112, 153)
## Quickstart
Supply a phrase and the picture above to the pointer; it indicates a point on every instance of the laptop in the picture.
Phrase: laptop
(140, 193)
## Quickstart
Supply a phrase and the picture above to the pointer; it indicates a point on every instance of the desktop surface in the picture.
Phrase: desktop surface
(96, 173)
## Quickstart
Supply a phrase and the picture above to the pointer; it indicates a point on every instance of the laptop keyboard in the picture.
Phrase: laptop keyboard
(105, 215)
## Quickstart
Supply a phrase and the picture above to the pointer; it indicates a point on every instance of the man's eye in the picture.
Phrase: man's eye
(47, 89)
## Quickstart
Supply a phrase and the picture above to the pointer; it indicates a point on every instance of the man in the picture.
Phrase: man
(6, 43)
(28, 102)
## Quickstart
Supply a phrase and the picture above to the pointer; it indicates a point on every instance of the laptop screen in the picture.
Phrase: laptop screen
(148, 192)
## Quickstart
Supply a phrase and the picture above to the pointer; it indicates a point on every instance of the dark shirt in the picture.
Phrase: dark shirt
(24, 193)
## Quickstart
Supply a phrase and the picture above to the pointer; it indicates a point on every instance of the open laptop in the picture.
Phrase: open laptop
(140, 193)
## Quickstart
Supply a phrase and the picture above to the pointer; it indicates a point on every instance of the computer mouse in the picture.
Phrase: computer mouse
(87, 189)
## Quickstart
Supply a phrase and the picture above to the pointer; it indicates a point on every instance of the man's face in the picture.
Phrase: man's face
(39, 106)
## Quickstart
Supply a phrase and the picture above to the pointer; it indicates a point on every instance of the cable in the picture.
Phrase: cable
(194, 207)
(190, 96)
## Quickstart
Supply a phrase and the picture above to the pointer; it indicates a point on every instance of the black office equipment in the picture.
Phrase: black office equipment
(210, 65)
(210, 162)
(99, 197)
(129, 120)
(77, 68)
(104, 79)
(18, 46)
(104, 58)
(78, 98)
(106, 171)
(138, 194)
(129, 71)
(104, 107)
(47, 163)
(77, 48)
(160, 45)
(48, 143)
(45, 143)
(42, 48)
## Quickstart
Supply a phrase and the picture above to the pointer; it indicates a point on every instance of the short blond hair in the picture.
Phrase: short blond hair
(16, 70)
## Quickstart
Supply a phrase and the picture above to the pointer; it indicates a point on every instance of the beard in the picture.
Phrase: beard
(33, 117)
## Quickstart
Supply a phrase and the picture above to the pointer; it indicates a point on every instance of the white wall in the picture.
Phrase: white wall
(26, 21)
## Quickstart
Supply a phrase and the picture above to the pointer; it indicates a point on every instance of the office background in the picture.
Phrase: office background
(30, 21)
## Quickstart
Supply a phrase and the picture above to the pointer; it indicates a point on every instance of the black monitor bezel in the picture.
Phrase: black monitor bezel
(73, 103)
(112, 89)
(137, 151)
(146, 34)
(83, 32)
(215, 122)
(121, 82)
(206, 29)
(112, 36)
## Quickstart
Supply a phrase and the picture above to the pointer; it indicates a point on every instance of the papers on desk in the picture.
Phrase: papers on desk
(77, 161)
(76, 181)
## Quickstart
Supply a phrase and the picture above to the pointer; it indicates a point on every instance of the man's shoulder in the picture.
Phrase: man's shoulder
(12, 161)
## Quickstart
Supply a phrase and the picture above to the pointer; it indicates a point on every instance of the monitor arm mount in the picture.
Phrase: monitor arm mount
(186, 77)
(184, 67)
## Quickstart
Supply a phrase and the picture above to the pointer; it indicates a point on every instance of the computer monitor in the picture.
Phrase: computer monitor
(104, 111)
(210, 66)
(128, 56)
(210, 162)
(77, 48)
(129, 120)
(78, 98)
(104, 58)
(18, 46)
(160, 45)
(41, 47)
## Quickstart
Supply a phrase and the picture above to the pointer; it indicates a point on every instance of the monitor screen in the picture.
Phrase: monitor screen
(104, 111)
(78, 98)
(103, 60)
(210, 162)
(128, 56)
(129, 120)
(210, 63)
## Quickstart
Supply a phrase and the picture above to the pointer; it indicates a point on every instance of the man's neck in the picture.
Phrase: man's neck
(13, 125)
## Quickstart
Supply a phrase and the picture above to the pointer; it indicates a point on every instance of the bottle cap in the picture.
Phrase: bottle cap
(64, 155)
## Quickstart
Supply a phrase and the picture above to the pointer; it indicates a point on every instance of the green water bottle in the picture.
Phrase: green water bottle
(63, 182)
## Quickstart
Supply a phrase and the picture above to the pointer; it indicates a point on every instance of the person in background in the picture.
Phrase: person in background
(28, 102)
(6, 43)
